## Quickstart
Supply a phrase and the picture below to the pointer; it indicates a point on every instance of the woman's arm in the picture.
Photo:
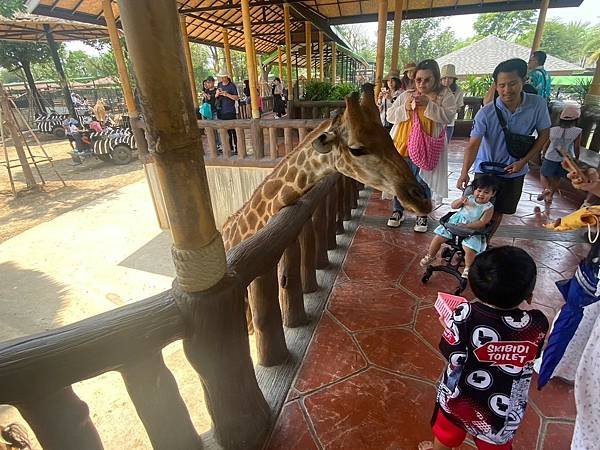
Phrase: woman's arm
(444, 112)
(397, 112)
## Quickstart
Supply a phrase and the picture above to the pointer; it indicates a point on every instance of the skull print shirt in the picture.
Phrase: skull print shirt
(490, 355)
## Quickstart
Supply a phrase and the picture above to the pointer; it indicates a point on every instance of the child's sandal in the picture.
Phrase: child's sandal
(425, 445)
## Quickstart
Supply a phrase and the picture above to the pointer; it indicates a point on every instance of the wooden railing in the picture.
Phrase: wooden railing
(254, 136)
(245, 112)
(278, 264)
(304, 109)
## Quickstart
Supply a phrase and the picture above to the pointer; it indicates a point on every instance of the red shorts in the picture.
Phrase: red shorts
(451, 435)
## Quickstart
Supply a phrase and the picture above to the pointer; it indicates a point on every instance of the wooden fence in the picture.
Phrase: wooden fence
(278, 264)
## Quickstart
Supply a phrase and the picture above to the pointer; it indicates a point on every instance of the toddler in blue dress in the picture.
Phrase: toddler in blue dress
(474, 212)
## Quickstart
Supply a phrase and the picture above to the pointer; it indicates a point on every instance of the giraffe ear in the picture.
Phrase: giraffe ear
(324, 143)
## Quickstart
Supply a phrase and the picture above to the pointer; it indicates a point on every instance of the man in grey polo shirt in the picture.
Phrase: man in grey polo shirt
(523, 114)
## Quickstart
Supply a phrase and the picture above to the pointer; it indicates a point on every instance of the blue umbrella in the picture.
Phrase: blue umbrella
(578, 292)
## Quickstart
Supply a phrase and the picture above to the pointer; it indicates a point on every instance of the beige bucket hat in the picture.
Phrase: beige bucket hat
(448, 71)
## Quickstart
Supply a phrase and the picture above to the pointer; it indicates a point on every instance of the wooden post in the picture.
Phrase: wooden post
(291, 297)
(331, 219)
(250, 59)
(539, 28)
(308, 258)
(188, 61)
(308, 35)
(380, 56)
(333, 62)
(280, 63)
(154, 42)
(263, 295)
(321, 57)
(227, 50)
(62, 78)
(288, 50)
(321, 237)
(399, 7)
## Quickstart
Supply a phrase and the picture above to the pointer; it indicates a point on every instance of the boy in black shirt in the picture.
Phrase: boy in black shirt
(490, 353)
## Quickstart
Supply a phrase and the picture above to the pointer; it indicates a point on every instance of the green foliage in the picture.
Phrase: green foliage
(505, 25)
(476, 86)
(341, 90)
(357, 37)
(317, 90)
(581, 89)
(9, 7)
(15, 55)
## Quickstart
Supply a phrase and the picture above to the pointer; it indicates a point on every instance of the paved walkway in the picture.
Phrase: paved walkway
(368, 378)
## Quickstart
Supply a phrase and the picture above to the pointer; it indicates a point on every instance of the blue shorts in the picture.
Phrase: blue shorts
(553, 169)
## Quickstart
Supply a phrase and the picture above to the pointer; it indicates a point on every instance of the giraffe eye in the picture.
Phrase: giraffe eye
(359, 151)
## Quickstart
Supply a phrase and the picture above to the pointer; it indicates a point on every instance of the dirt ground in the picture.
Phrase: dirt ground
(84, 183)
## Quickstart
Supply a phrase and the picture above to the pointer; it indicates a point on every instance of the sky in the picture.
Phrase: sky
(462, 25)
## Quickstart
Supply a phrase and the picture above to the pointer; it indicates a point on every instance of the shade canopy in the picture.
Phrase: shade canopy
(482, 57)
(31, 27)
(206, 18)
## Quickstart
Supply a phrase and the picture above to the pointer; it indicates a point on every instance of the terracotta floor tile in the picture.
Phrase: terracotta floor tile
(379, 208)
(527, 434)
(439, 282)
(546, 293)
(401, 351)
(511, 220)
(558, 436)
(580, 250)
(405, 237)
(550, 254)
(376, 261)
(555, 399)
(332, 355)
(373, 410)
(428, 326)
(360, 306)
(291, 431)
(367, 235)
(293, 394)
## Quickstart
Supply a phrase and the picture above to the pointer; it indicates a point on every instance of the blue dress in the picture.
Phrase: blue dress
(469, 213)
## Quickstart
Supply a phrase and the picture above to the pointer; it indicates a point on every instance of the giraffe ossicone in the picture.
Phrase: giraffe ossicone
(355, 143)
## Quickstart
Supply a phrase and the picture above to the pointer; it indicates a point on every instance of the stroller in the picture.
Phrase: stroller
(453, 254)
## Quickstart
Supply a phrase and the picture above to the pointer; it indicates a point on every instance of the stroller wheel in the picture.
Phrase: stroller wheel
(445, 252)
(427, 275)
(461, 287)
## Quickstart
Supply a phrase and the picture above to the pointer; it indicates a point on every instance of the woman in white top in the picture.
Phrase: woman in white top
(436, 107)
(387, 96)
(449, 80)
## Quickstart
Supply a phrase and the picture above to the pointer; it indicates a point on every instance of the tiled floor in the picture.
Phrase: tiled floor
(368, 377)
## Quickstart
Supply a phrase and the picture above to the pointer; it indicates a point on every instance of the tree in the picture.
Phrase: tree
(421, 39)
(9, 7)
(357, 36)
(567, 41)
(19, 56)
(505, 25)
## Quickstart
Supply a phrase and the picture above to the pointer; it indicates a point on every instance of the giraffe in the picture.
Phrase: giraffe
(355, 144)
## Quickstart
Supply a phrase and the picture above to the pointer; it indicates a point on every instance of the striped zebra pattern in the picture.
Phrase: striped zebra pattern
(47, 122)
(104, 143)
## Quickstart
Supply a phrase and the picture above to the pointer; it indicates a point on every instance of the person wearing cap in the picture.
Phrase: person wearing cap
(566, 136)
(449, 80)
(487, 150)
(388, 94)
(227, 95)
(408, 76)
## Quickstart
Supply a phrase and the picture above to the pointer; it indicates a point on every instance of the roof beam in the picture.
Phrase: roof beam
(229, 5)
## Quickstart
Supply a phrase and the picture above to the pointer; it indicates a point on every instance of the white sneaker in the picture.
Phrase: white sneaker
(427, 260)
(421, 224)
(395, 219)
(465, 272)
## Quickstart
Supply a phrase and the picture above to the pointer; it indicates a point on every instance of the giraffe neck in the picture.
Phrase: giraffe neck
(290, 179)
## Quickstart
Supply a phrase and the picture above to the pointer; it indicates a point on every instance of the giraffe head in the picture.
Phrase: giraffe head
(358, 145)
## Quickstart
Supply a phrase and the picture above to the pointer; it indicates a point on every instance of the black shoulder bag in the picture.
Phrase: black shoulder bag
(518, 145)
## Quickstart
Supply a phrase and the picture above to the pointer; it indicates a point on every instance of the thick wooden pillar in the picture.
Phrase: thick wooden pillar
(288, 50)
(308, 35)
(227, 50)
(62, 78)
(333, 62)
(380, 56)
(539, 29)
(399, 6)
(188, 61)
(280, 63)
(250, 59)
(321, 57)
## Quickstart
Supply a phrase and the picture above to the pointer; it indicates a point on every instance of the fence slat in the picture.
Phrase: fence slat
(258, 143)
(241, 142)
(348, 196)
(308, 258)
(291, 297)
(212, 142)
(341, 187)
(288, 140)
(154, 393)
(263, 295)
(302, 132)
(61, 421)
(320, 228)
(273, 143)
(224, 135)
(332, 219)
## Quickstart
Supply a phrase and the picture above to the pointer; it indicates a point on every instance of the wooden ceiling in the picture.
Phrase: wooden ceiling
(31, 27)
(206, 18)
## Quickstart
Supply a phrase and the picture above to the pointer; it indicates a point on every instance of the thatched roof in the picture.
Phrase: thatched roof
(482, 57)
(206, 18)
(31, 27)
